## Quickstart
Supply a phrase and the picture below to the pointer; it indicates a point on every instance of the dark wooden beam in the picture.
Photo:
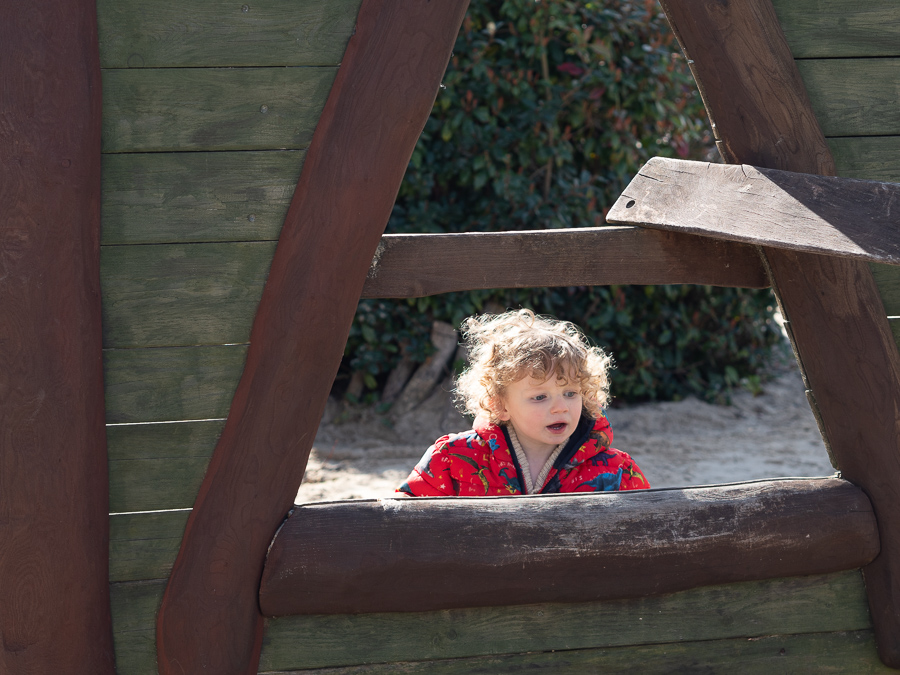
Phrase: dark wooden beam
(405, 555)
(795, 211)
(415, 265)
(762, 116)
(209, 621)
(54, 523)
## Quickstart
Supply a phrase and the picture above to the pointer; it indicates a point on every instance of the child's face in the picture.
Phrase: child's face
(543, 412)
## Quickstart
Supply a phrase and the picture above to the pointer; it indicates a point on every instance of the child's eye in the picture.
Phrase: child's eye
(540, 397)
(571, 394)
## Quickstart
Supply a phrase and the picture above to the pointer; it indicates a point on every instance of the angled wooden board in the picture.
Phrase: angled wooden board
(796, 211)
(382, 96)
(164, 109)
(168, 33)
(755, 98)
(189, 197)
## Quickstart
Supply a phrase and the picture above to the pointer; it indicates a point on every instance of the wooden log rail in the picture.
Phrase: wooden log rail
(416, 265)
(780, 209)
(395, 555)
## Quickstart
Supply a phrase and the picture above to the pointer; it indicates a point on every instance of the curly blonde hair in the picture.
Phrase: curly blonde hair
(504, 348)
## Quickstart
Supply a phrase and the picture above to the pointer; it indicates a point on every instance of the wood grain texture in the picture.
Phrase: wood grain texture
(154, 198)
(181, 294)
(209, 620)
(839, 28)
(171, 383)
(165, 109)
(54, 594)
(143, 546)
(796, 211)
(887, 277)
(415, 265)
(811, 604)
(169, 33)
(158, 466)
(754, 95)
(415, 555)
(854, 97)
(870, 158)
(843, 652)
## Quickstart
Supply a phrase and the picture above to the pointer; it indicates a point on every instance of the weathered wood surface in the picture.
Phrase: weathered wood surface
(414, 555)
(888, 280)
(171, 383)
(810, 604)
(54, 594)
(158, 466)
(143, 546)
(839, 28)
(850, 653)
(153, 198)
(853, 97)
(182, 294)
(169, 33)
(871, 158)
(755, 97)
(209, 619)
(159, 110)
(415, 265)
(796, 211)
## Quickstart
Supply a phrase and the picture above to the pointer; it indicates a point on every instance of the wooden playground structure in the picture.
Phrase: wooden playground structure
(162, 377)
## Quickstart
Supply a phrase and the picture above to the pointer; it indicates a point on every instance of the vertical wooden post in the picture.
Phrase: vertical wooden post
(762, 116)
(209, 621)
(54, 523)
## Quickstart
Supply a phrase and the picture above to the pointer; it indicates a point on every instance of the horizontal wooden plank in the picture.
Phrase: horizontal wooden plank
(839, 28)
(854, 97)
(749, 609)
(167, 109)
(158, 466)
(168, 33)
(887, 277)
(797, 211)
(813, 604)
(182, 294)
(144, 545)
(399, 555)
(171, 383)
(867, 157)
(414, 265)
(152, 198)
(823, 653)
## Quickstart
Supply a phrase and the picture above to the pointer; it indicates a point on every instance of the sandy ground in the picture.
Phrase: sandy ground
(358, 454)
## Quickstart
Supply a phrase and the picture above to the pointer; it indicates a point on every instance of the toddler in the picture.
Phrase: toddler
(537, 391)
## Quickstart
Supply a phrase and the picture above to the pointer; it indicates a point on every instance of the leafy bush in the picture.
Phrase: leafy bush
(548, 108)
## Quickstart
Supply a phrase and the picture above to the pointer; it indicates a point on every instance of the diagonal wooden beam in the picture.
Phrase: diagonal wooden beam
(761, 115)
(54, 522)
(796, 211)
(209, 621)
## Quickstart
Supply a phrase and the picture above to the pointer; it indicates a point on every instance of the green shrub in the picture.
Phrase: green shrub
(548, 108)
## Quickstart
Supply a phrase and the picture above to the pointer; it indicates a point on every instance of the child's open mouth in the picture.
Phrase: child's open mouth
(559, 426)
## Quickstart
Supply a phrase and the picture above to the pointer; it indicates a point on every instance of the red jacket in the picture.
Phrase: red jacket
(479, 462)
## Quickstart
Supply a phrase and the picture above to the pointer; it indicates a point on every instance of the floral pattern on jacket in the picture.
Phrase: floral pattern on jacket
(480, 462)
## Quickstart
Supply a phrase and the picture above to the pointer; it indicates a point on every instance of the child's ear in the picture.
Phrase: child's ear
(498, 409)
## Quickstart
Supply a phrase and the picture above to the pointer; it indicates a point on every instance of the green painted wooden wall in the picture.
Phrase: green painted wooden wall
(208, 109)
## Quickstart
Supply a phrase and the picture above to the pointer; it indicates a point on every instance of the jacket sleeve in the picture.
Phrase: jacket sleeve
(632, 476)
(431, 476)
